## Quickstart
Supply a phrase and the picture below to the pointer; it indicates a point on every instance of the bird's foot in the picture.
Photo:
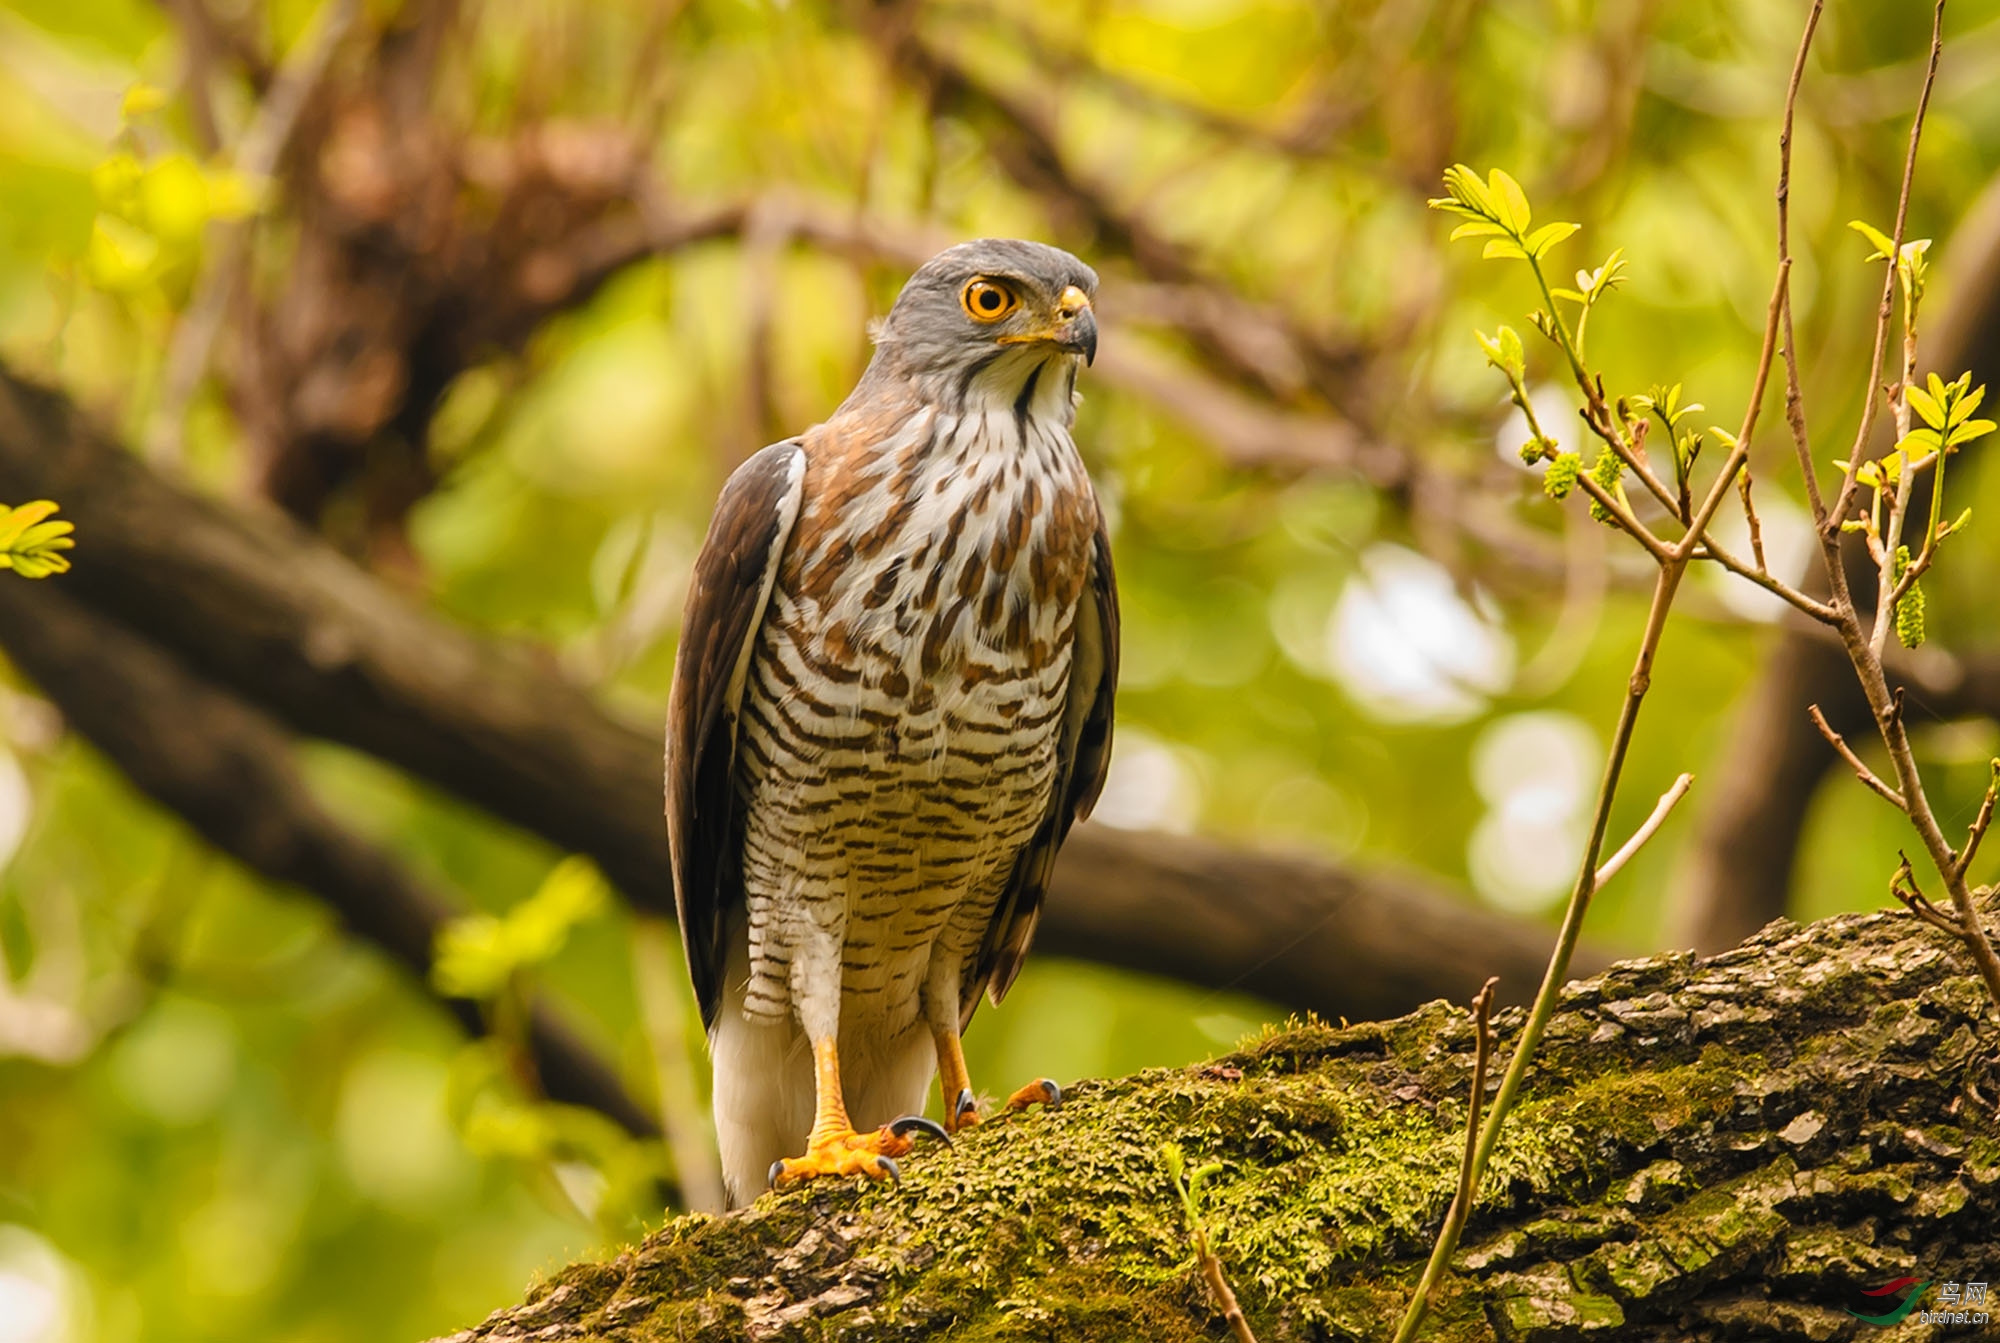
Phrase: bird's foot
(846, 1152)
(1041, 1091)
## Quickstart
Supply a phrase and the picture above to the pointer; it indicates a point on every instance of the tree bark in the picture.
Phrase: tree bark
(1706, 1150)
(246, 600)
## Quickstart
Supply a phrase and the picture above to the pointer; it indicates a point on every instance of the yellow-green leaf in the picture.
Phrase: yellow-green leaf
(139, 101)
(1548, 235)
(173, 198)
(1927, 404)
(1511, 203)
(1884, 244)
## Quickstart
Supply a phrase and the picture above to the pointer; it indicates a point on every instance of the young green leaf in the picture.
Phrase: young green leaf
(1511, 202)
(1504, 352)
(1928, 404)
(1547, 236)
(30, 543)
(1884, 244)
(1966, 431)
(1466, 194)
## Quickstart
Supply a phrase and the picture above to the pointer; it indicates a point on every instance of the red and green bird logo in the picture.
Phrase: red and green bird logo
(1903, 1308)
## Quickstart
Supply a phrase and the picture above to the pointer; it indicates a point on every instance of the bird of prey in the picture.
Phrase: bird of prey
(892, 699)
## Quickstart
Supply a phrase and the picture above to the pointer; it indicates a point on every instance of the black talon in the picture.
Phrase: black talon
(909, 1124)
(895, 1171)
(777, 1169)
(1053, 1092)
(965, 1104)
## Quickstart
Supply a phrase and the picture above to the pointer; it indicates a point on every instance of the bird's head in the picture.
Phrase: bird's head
(994, 310)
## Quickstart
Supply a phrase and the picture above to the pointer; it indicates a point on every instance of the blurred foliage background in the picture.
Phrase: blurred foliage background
(1352, 623)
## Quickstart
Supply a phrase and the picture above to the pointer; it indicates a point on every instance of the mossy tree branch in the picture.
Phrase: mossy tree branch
(1704, 1150)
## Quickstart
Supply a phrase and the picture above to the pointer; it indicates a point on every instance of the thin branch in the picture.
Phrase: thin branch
(1218, 1284)
(1740, 454)
(1468, 1174)
(1625, 520)
(1903, 885)
(1743, 483)
(1861, 771)
(1188, 1186)
(1977, 831)
(1768, 581)
(224, 257)
(1666, 583)
(1661, 810)
(1795, 416)
(1830, 525)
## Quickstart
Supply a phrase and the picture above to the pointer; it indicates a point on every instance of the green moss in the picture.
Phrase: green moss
(1318, 1173)
(1631, 1181)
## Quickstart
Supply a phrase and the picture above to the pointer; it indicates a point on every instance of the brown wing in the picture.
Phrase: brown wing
(725, 608)
(1081, 760)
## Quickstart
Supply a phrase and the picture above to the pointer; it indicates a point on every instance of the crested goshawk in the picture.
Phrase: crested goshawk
(891, 701)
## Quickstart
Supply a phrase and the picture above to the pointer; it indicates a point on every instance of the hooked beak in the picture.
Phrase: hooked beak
(1075, 329)
(1078, 326)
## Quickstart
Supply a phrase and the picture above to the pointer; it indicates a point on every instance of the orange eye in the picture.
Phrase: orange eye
(987, 300)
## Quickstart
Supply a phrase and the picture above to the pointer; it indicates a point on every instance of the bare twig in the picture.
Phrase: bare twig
(1482, 1054)
(1830, 524)
(224, 256)
(1861, 771)
(1225, 1296)
(1903, 885)
(1625, 521)
(1795, 416)
(1750, 517)
(1763, 578)
(1977, 831)
(1661, 810)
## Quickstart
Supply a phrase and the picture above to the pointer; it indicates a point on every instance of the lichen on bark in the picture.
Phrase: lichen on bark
(1714, 1149)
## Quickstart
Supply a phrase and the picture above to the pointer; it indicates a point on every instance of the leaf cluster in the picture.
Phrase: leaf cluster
(32, 539)
(478, 955)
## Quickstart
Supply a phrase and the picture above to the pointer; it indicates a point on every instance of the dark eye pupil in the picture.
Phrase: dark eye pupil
(989, 300)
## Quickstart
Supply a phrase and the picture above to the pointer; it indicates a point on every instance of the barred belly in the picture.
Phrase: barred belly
(902, 715)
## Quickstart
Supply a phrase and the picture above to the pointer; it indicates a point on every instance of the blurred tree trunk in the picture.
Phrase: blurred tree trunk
(1734, 1148)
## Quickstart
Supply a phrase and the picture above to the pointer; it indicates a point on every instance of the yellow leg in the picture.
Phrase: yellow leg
(954, 1081)
(833, 1147)
(955, 1084)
